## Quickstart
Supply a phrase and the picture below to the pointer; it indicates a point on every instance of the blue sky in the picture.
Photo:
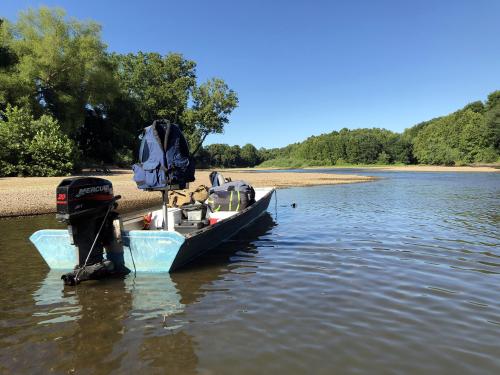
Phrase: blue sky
(303, 68)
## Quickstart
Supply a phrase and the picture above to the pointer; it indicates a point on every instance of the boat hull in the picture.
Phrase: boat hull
(210, 237)
(152, 251)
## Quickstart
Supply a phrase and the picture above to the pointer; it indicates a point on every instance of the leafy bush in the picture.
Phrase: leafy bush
(383, 158)
(33, 147)
(488, 155)
(124, 158)
(51, 151)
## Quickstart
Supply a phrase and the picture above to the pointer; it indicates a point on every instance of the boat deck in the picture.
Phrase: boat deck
(135, 220)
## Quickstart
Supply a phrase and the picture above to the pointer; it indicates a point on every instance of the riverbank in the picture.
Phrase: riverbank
(436, 168)
(21, 196)
(400, 168)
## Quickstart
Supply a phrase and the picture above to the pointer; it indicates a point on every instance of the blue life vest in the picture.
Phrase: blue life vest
(163, 158)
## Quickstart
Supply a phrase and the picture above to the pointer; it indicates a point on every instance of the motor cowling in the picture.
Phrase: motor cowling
(86, 205)
(82, 198)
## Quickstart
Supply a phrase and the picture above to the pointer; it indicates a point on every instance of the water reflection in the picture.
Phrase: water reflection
(151, 295)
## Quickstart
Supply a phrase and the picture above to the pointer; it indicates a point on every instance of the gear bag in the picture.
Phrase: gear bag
(217, 179)
(163, 158)
(179, 198)
(231, 196)
(200, 194)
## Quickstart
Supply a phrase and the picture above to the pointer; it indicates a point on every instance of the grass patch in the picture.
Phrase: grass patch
(288, 163)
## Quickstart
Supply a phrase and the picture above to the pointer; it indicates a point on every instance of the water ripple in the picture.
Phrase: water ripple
(396, 276)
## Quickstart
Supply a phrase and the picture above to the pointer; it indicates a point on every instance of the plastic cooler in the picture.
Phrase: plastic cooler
(174, 218)
(215, 217)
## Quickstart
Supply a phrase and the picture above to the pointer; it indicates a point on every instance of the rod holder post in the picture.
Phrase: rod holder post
(164, 195)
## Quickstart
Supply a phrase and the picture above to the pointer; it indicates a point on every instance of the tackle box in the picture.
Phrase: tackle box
(188, 226)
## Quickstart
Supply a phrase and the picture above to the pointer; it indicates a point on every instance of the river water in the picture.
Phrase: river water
(401, 275)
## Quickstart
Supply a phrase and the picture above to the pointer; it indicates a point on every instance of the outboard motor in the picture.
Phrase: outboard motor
(86, 204)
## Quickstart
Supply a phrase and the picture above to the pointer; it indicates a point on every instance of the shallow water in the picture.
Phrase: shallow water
(400, 275)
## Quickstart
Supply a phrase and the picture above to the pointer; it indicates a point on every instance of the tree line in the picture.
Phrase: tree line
(469, 135)
(66, 102)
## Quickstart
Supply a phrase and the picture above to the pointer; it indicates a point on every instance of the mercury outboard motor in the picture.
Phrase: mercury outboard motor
(86, 204)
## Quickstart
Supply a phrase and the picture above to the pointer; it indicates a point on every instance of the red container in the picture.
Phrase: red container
(213, 220)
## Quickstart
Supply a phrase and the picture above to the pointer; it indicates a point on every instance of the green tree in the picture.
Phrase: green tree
(474, 136)
(492, 119)
(163, 87)
(362, 147)
(213, 102)
(249, 155)
(218, 154)
(476, 106)
(62, 65)
(233, 157)
(158, 86)
(12, 89)
(383, 158)
(33, 147)
(465, 136)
